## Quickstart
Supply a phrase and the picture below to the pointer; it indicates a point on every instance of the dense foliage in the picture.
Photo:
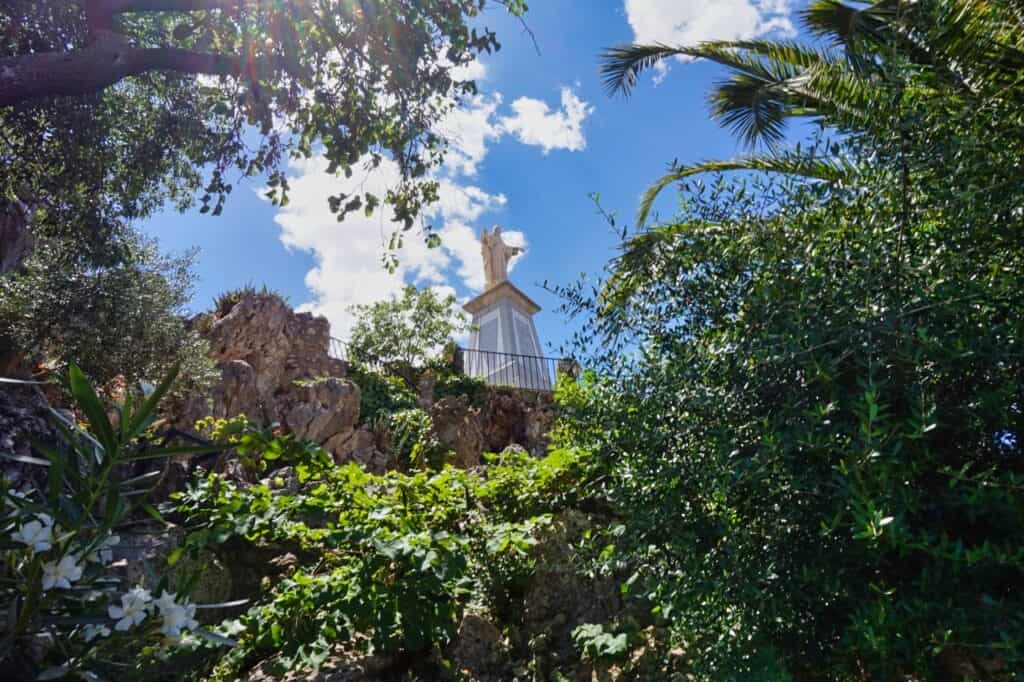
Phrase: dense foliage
(104, 114)
(411, 329)
(124, 317)
(70, 610)
(393, 561)
(810, 402)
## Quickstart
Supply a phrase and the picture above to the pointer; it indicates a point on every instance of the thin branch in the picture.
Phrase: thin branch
(122, 6)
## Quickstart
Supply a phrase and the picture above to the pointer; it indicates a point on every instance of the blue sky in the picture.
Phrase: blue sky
(526, 154)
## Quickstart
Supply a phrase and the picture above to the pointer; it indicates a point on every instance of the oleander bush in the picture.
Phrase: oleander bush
(69, 610)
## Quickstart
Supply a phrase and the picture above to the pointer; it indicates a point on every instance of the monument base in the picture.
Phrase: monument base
(504, 346)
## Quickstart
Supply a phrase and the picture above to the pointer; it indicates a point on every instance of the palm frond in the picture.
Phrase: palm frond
(637, 265)
(847, 26)
(982, 41)
(622, 65)
(825, 169)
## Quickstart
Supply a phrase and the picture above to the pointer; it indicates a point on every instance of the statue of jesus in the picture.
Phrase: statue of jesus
(496, 255)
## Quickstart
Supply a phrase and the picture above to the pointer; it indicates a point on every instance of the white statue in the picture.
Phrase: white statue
(496, 255)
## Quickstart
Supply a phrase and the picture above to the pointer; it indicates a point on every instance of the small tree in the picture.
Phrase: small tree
(411, 329)
(125, 317)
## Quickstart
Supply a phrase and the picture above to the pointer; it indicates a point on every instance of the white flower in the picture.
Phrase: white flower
(102, 553)
(177, 618)
(133, 608)
(37, 534)
(61, 573)
(91, 632)
(12, 495)
(165, 601)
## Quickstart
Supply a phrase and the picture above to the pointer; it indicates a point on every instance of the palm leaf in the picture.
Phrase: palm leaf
(828, 170)
(847, 26)
(622, 65)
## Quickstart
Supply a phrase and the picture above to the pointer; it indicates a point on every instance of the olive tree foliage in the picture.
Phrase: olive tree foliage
(411, 329)
(108, 108)
(122, 319)
(809, 406)
(113, 109)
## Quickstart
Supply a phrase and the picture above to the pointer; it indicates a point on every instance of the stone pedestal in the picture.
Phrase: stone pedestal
(504, 348)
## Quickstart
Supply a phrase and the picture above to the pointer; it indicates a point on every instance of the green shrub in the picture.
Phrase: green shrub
(413, 439)
(449, 384)
(817, 471)
(225, 302)
(380, 393)
(407, 331)
(398, 558)
(124, 317)
(260, 448)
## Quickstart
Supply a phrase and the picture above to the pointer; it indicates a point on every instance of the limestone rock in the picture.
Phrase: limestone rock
(425, 389)
(23, 418)
(457, 427)
(278, 343)
(478, 647)
(321, 409)
(254, 331)
(514, 449)
(517, 416)
(558, 598)
(145, 562)
(236, 392)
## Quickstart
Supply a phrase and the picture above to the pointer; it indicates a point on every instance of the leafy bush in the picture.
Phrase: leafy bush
(58, 582)
(413, 439)
(259, 448)
(398, 557)
(449, 384)
(225, 302)
(818, 471)
(409, 330)
(380, 394)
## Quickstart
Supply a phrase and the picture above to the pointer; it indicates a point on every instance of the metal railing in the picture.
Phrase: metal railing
(508, 369)
(496, 369)
(338, 349)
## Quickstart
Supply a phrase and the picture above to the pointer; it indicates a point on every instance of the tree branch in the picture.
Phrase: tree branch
(109, 59)
(122, 6)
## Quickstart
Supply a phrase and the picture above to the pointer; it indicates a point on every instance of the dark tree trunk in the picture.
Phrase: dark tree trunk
(15, 235)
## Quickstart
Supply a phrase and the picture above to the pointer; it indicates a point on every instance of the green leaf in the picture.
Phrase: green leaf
(87, 400)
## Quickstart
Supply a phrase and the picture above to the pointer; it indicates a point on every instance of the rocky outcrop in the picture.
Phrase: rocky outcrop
(559, 598)
(24, 417)
(279, 344)
(458, 427)
(275, 368)
(478, 650)
(319, 410)
(517, 416)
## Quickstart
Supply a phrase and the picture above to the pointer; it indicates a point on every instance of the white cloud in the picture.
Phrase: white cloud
(688, 22)
(349, 269)
(473, 126)
(475, 70)
(534, 123)
(468, 130)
